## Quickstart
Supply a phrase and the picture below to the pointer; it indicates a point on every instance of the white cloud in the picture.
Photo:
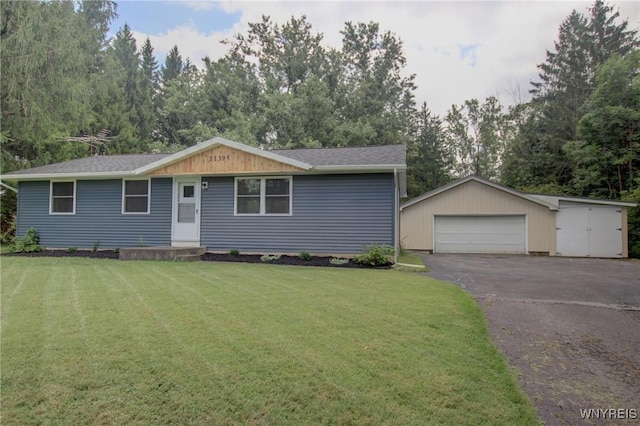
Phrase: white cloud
(510, 39)
(191, 43)
(200, 4)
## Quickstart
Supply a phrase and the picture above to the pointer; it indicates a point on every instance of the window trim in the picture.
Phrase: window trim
(148, 196)
(263, 193)
(75, 184)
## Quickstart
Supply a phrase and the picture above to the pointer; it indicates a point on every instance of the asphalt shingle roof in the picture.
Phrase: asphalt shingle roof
(360, 156)
(97, 164)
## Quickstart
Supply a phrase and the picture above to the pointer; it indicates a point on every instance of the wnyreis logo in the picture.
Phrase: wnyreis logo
(608, 413)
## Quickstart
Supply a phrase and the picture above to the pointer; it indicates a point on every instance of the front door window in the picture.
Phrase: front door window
(186, 203)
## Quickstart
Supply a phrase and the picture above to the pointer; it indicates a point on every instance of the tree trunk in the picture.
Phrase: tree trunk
(620, 185)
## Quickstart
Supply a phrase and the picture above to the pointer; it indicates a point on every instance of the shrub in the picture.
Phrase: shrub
(338, 261)
(72, 250)
(375, 255)
(269, 257)
(304, 256)
(94, 246)
(116, 250)
(27, 243)
(234, 253)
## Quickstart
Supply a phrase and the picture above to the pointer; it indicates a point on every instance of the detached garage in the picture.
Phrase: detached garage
(474, 215)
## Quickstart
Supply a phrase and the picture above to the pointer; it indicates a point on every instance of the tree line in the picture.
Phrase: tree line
(68, 90)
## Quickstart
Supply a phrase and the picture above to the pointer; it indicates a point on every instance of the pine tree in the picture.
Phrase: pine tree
(429, 159)
(566, 80)
(148, 89)
(173, 66)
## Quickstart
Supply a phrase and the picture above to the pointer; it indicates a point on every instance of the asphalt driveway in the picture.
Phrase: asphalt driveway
(569, 327)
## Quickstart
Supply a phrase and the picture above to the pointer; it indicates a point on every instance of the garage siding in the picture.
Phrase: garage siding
(474, 198)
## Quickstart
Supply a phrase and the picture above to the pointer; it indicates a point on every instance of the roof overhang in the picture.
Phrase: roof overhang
(556, 199)
(364, 168)
(478, 179)
(212, 143)
(54, 176)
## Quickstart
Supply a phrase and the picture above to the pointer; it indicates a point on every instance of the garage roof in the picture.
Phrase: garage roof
(555, 199)
(478, 179)
(550, 201)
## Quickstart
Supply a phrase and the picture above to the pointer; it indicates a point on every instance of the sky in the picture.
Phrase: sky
(458, 50)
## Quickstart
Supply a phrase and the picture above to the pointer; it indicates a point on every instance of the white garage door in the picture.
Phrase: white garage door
(589, 230)
(480, 234)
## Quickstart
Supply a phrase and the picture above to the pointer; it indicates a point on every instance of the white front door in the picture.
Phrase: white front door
(186, 211)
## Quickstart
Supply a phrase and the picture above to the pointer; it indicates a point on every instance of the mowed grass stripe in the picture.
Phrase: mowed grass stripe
(205, 343)
(274, 348)
(22, 338)
(175, 374)
(250, 347)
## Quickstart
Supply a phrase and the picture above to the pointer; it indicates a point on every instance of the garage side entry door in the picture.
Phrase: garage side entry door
(480, 234)
(589, 230)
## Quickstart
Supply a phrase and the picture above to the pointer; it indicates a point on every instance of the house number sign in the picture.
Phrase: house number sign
(217, 158)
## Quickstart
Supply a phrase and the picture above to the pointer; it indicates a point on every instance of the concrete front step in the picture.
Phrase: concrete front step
(162, 253)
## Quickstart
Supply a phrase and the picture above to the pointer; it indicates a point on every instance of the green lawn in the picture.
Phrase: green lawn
(409, 258)
(111, 342)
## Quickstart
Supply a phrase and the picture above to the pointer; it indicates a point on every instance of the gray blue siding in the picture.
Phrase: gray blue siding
(331, 214)
(98, 215)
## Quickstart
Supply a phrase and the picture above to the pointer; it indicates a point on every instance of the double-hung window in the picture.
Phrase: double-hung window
(136, 196)
(263, 196)
(63, 198)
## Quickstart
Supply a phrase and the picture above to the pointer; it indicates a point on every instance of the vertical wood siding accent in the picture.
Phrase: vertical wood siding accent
(223, 159)
(474, 198)
(330, 214)
(98, 215)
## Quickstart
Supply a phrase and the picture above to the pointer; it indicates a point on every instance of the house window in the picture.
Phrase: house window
(263, 196)
(135, 196)
(63, 198)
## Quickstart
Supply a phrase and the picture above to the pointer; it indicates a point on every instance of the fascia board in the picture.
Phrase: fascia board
(203, 146)
(48, 176)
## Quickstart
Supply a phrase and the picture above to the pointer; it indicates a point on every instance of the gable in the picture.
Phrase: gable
(473, 197)
(482, 186)
(222, 159)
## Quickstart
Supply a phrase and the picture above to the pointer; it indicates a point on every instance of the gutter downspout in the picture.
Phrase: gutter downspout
(396, 216)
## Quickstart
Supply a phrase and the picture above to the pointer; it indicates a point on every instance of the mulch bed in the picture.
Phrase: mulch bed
(100, 254)
(284, 260)
(209, 257)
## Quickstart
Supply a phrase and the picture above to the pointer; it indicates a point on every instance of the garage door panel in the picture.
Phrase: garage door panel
(572, 223)
(605, 233)
(480, 234)
(589, 230)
